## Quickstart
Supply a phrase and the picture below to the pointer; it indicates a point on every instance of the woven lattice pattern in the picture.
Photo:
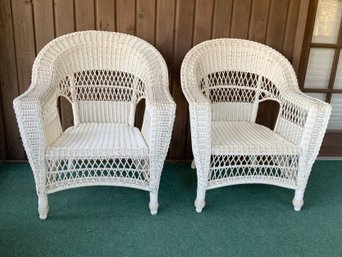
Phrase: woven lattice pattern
(105, 85)
(66, 173)
(278, 170)
(103, 75)
(224, 80)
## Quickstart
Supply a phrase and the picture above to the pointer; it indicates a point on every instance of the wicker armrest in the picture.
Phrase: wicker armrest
(195, 97)
(200, 125)
(159, 96)
(299, 115)
(304, 101)
(316, 120)
(39, 123)
(157, 129)
(304, 121)
(159, 116)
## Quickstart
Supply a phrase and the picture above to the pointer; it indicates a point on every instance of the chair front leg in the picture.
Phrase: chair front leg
(154, 185)
(202, 183)
(298, 201)
(153, 204)
(43, 206)
(200, 198)
(302, 180)
(40, 180)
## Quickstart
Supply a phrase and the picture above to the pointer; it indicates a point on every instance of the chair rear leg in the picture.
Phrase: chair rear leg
(193, 164)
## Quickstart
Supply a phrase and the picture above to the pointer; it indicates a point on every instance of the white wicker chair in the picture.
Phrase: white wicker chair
(224, 80)
(103, 75)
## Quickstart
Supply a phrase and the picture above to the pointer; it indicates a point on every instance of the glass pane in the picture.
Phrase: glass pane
(335, 122)
(319, 96)
(327, 21)
(338, 79)
(319, 67)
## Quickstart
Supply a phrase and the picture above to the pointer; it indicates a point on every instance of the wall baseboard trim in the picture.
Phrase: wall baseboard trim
(332, 158)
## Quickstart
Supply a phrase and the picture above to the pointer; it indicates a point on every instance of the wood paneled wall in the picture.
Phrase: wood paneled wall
(172, 26)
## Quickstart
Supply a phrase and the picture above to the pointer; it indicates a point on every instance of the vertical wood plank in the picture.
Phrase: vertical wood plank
(274, 38)
(85, 14)
(165, 15)
(276, 23)
(64, 17)
(43, 22)
(267, 113)
(2, 134)
(183, 42)
(66, 114)
(8, 87)
(331, 145)
(240, 18)
(304, 54)
(125, 16)
(303, 20)
(290, 30)
(105, 15)
(64, 24)
(258, 22)
(24, 41)
(203, 21)
(145, 20)
(222, 18)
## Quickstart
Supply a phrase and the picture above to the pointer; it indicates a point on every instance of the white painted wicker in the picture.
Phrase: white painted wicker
(224, 80)
(103, 75)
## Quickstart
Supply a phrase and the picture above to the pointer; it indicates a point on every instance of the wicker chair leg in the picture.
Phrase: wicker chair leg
(200, 199)
(193, 164)
(153, 202)
(43, 206)
(298, 199)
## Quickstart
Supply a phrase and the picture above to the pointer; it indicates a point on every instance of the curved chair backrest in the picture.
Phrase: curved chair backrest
(103, 74)
(236, 75)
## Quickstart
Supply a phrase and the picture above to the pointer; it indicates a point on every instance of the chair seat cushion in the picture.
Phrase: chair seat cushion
(99, 140)
(247, 138)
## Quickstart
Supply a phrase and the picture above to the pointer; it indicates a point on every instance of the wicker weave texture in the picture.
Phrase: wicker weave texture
(224, 80)
(103, 75)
